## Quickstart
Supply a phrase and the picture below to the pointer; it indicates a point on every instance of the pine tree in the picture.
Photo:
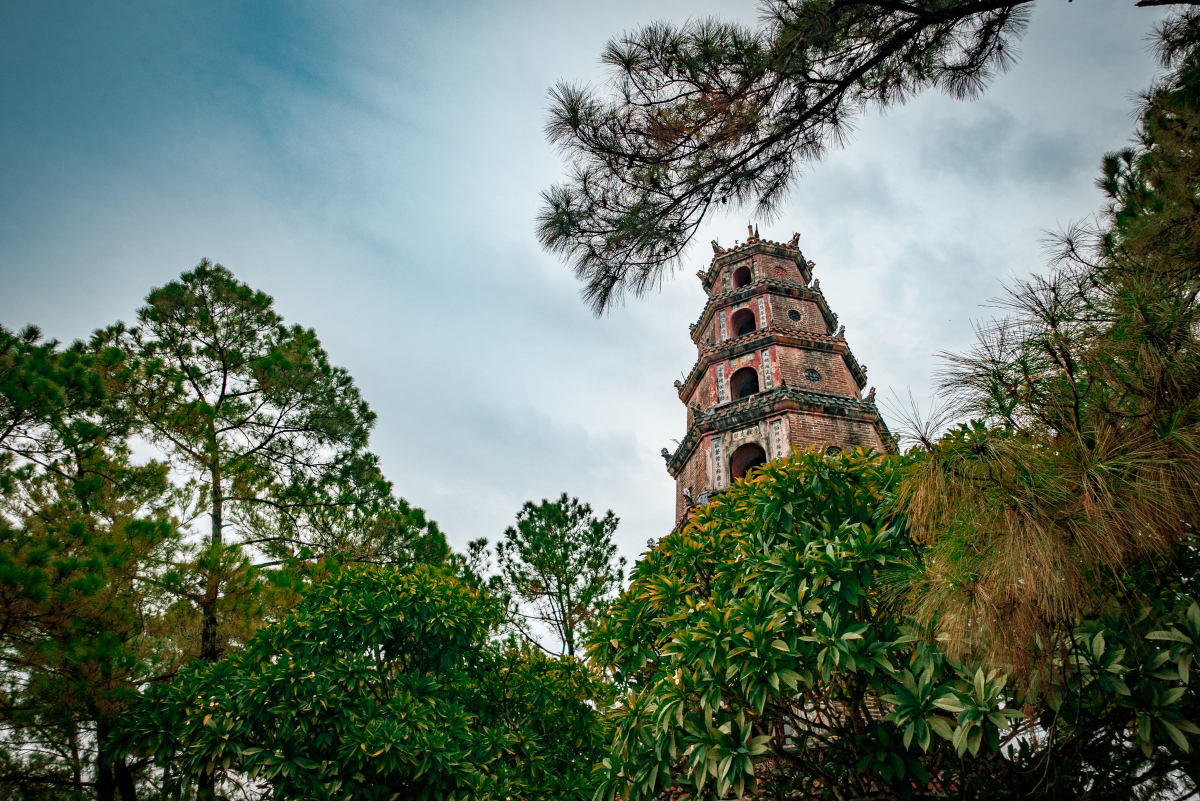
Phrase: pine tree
(84, 532)
(1083, 464)
(559, 564)
(711, 113)
(270, 440)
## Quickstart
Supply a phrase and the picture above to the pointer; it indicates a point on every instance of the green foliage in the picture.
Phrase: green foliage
(1083, 463)
(82, 530)
(761, 649)
(712, 112)
(102, 590)
(270, 437)
(560, 564)
(383, 684)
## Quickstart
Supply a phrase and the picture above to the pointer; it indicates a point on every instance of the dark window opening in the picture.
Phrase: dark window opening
(795, 316)
(743, 322)
(744, 458)
(744, 382)
(741, 277)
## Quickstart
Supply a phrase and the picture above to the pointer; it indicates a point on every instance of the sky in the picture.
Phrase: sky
(376, 168)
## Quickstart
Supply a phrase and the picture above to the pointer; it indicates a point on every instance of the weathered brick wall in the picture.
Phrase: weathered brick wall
(703, 392)
(809, 429)
(762, 265)
(811, 319)
(835, 377)
(802, 430)
(772, 311)
(702, 395)
(783, 269)
(694, 477)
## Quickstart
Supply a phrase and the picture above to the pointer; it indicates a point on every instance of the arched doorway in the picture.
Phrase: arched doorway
(741, 277)
(742, 322)
(744, 382)
(745, 457)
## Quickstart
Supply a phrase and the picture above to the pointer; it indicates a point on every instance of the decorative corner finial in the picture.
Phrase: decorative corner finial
(717, 249)
(700, 274)
(795, 241)
(750, 232)
(812, 265)
(816, 283)
(666, 454)
(678, 385)
(871, 395)
(841, 331)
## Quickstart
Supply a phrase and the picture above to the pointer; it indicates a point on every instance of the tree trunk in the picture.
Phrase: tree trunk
(76, 762)
(568, 628)
(210, 650)
(125, 784)
(106, 788)
(113, 776)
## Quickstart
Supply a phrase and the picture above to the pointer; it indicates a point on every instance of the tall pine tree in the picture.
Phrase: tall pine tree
(84, 533)
(559, 565)
(270, 441)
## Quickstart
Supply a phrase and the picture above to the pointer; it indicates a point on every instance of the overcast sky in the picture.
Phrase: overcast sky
(375, 167)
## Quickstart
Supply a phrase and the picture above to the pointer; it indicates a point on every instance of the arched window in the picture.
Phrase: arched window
(744, 382)
(743, 322)
(741, 277)
(745, 457)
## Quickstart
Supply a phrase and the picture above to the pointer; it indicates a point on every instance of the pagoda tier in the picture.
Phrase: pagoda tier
(773, 373)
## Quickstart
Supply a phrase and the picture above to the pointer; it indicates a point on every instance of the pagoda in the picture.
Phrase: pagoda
(773, 373)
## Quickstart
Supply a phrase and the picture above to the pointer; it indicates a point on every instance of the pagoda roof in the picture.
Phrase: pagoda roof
(771, 335)
(773, 285)
(763, 404)
(752, 245)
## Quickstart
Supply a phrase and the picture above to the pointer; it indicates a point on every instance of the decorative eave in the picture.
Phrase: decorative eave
(750, 247)
(759, 287)
(771, 335)
(764, 404)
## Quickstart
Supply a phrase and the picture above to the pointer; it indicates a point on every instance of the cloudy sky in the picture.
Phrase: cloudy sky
(376, 167)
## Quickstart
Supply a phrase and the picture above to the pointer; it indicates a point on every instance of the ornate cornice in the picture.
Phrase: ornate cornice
(772, 286)
(771, 335)
(748, 248)
(764, 404)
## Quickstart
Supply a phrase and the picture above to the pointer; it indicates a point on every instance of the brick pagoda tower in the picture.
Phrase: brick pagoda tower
(773, 373)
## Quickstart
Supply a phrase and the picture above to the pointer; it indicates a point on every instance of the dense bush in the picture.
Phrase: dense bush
(762, 649)
(382, 684)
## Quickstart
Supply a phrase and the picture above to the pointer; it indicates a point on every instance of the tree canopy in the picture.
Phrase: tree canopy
(560, 566)
(104, 587)
(1084, 464)
(763, 649)
(83, 528)
(383, 684)
(710, 113)
(270, 436)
